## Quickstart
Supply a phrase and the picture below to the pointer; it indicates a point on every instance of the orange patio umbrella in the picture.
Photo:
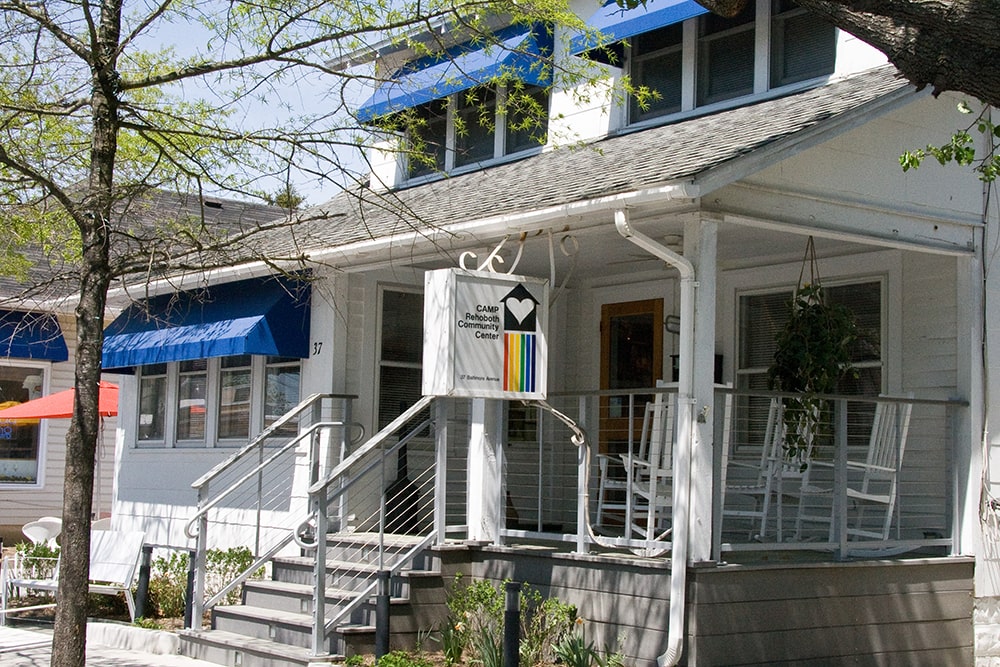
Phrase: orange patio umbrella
(60, 405)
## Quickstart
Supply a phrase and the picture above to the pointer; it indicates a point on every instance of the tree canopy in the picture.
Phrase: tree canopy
(104, 102)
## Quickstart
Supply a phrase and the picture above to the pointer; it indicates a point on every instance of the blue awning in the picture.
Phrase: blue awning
(31, 336)
(616, 24)
(517, 54)
(266, 316)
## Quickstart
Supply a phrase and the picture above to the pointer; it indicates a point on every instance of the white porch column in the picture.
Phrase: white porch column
(485, 471)
(700, 246)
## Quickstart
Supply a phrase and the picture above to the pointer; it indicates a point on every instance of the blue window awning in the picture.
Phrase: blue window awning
(616, 24)
(263, 316)
(31, 336)
(519, 53)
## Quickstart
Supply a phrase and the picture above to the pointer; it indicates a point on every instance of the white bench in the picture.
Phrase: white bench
(114, 559)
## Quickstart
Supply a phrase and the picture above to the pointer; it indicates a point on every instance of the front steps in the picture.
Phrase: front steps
(273, 625)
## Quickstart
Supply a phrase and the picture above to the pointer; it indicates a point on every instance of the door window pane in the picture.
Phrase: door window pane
(19, 443)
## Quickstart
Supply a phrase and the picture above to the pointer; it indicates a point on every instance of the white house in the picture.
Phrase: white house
(671, 240)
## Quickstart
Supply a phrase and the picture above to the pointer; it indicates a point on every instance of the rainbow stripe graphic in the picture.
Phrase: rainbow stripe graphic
(519, 362)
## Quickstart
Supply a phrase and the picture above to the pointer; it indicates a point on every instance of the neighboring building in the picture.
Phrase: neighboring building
(770, 127)
(37, 350)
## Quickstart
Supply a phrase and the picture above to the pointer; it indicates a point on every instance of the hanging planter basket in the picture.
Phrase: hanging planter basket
(813, 354)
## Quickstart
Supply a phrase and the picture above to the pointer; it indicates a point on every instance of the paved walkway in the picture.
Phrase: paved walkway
(108, 645)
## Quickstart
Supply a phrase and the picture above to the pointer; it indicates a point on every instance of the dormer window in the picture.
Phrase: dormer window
(803, 45)
(472, 104)
(725, 56)
(693, 59)
(474, 127)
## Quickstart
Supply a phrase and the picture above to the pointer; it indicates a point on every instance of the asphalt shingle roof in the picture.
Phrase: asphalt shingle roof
(618, 164)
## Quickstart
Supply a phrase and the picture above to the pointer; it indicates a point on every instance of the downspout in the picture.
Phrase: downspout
(680, 521)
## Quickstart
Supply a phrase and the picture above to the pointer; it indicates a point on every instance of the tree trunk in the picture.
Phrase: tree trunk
(69, 642)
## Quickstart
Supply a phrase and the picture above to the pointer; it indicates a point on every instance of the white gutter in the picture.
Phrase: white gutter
(680, 521)
(366, 252)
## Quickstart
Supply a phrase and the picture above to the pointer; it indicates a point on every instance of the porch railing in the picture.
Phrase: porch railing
(543, 475)
(247, 498)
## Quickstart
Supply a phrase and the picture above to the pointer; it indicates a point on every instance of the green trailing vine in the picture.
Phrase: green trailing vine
(812, 356)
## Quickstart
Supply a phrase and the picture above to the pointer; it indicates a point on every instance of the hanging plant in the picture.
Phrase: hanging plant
(812, 356)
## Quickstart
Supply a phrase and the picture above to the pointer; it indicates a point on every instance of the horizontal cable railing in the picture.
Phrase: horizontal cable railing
(826, 512)
(250, 497)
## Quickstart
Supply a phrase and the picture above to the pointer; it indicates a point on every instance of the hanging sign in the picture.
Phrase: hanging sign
(485, 335)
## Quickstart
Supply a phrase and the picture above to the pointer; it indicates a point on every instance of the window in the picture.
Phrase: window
(803, 45)
(152, 402)
(462, 130)
(218, 402)
(428, 135)
(234, 397)
(191, 406)
(19, 439)
(475, 122)
(710, 59)
(656, 63)
(762, 316)
(281, 391)
(725, 56)
(400, 354)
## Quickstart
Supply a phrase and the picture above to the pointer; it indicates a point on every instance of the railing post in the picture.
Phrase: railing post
(196, 598)
(142, 587)
(319, 574)
(512, 624)
(840, 477)
(582, 475)
(193, 610)
(441, 471)
(382, 615)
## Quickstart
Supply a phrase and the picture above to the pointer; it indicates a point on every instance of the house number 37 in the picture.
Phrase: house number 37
(317, 347)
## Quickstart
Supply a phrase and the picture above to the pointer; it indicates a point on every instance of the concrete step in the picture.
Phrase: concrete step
(237, 650)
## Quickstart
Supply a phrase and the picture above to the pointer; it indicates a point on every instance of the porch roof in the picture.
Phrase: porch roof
(684, 151)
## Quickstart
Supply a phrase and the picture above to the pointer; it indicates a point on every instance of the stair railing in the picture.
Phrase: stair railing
(248, 496)
(402, 514)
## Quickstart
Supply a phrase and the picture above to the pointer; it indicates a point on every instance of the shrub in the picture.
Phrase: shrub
(168, 578)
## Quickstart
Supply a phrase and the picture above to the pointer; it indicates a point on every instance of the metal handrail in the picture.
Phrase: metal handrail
(265, 434)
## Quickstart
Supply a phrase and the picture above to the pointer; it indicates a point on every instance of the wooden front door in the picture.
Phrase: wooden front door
(631, 358)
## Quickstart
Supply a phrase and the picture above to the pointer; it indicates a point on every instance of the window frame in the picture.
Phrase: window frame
(762, 26)
(382, 363)
(44, 369)
(259, 365)
(452, 105)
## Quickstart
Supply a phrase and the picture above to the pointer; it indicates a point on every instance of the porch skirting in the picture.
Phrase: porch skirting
(887, 612)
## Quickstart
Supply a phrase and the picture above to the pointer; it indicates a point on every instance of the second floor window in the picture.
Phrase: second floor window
(710, 59)
(475, 126)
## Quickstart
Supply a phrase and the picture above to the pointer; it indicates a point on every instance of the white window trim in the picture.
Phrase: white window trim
(689, 75)
(213, 399)
(885, 353)
(45, 368)
(382, 288)
(499, 144)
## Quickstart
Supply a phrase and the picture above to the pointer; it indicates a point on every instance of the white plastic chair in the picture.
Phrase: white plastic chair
(43, 530)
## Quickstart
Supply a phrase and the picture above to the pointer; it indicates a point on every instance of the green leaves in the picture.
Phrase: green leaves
(961, 148)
